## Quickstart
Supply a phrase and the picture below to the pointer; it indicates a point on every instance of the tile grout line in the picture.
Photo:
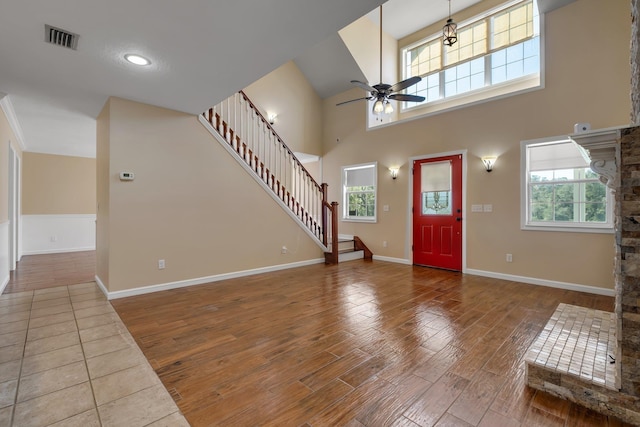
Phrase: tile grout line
(24, 348)
(84, 359)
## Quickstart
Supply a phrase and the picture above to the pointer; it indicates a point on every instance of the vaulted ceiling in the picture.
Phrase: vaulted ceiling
(201, 52)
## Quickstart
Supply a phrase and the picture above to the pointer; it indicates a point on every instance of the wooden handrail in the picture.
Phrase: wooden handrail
(273, 131)
(293, 192)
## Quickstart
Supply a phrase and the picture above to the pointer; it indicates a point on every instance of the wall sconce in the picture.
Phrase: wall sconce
(489, 162)
(394, 172)
(272, 118)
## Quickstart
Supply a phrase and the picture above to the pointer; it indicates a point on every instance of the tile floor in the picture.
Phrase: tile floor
(66, 359)
(578, 341)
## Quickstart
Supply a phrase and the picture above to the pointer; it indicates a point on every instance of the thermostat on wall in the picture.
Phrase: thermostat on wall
(126, 176)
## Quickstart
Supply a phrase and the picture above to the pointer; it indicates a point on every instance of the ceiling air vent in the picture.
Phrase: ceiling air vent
(60, 37)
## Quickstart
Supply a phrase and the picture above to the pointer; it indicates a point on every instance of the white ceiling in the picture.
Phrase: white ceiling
(202, 51)
(403, 17)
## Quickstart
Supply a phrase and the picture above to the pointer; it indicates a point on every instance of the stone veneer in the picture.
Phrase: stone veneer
(558, 362)
(628, 257)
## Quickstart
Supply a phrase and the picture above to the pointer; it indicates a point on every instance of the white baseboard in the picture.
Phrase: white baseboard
(201, 280)
(4, 284)
(390, 259)
(4, 255)
(225, 276)
(102, 287)
(49, 234)
(521, 279)
(543, 282)
(61, 250)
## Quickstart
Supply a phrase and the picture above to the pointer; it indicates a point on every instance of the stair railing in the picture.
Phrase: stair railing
(250, 135)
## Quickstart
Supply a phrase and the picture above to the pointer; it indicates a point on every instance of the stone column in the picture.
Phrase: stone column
(628, 281)
(635, 62)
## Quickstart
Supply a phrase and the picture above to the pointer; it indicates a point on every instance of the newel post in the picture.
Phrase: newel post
(324, 187)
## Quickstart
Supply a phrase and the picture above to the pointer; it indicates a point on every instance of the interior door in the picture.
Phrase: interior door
(437, 212)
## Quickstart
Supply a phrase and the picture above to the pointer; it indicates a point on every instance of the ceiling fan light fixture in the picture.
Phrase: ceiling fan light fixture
(450, 31)
(382, 93)
(378, 107)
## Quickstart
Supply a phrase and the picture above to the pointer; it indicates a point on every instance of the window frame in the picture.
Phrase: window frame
(489, 91)
(527, 225)
(345, 193)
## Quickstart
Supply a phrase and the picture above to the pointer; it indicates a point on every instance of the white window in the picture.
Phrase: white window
(560, 191)
(359, 186)
(499, 48)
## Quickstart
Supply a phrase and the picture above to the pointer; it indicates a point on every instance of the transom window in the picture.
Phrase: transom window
(561, 191)
(497, 48)
(359, 192)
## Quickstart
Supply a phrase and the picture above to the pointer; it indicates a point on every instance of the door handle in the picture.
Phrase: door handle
(458, 219)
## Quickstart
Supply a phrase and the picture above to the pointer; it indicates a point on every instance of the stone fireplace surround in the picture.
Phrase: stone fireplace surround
(573, 357)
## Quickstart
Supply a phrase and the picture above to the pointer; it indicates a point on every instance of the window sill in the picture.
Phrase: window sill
(369, 220)
(488, 94)
(565, 229)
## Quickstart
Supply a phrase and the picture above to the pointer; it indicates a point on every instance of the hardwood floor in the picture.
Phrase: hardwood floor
(354, 344)
(47, 271)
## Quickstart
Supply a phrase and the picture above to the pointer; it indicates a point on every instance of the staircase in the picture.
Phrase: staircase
(245, 133)
(349, 248)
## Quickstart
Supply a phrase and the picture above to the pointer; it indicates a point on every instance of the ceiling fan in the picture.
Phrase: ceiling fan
(382, 92)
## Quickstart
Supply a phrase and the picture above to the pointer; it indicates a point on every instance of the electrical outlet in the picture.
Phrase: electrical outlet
(160, 264)
(509, 258)
(54, 238)
(284, 250)
(384, 244)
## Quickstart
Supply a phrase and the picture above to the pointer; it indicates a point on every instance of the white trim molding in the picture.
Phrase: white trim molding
(542, 282)
(7, 107)
(102, 287)
(391, 259)
(49, 234)
(201, 280)
(4, 255)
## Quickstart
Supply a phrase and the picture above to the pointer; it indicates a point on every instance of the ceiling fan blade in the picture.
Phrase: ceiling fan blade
(363, 86)
(405, 83)
(354, 100)
(409, 98)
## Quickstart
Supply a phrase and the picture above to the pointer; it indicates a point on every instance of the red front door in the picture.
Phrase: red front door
(437, 212)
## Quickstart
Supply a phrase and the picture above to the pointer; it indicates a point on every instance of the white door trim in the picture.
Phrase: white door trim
(13, 202)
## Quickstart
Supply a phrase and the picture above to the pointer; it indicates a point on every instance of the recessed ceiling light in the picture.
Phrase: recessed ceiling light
(137, 59)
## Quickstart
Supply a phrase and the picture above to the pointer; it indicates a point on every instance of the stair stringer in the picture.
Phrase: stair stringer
(259, 180)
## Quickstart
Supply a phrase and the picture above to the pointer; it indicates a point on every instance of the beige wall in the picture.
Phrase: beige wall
(587, 80)
(54, 185)
(6, 137)
(190, 203)
(362, 38)
(287, 93)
